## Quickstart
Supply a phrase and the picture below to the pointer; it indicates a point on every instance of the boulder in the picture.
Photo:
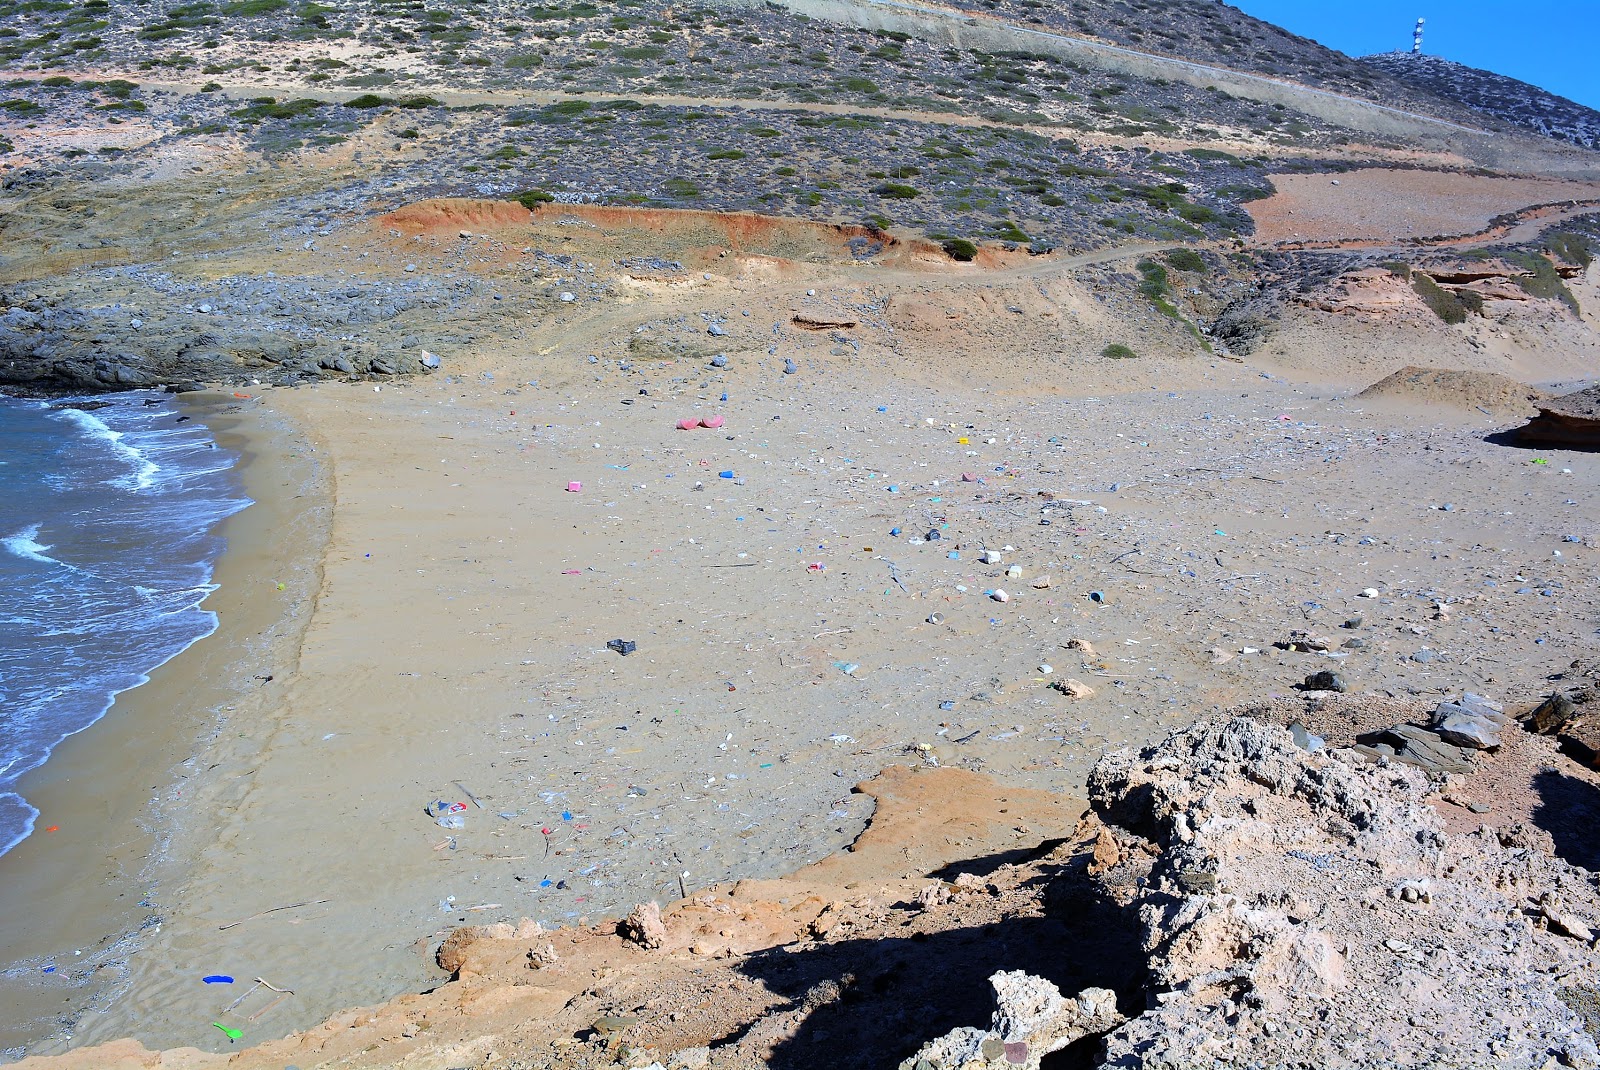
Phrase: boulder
(1474, 721)
(1031, 1019)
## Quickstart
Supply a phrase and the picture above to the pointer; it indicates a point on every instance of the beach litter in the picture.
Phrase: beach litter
(622, 646)
(449, 815)
(217, 979)
(262, 986)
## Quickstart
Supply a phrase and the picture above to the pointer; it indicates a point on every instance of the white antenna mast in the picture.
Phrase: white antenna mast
(1416, 38)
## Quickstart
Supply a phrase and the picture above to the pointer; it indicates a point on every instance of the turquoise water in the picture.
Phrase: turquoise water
(107, 544)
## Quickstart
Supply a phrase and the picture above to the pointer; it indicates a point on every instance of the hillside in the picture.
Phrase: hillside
(1507, 99)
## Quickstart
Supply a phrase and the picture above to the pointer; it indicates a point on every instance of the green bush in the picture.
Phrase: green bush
(1186, 260)
(267, 108)
(524, 61)
(960, 249)
(1213, 154)
(367, 100)
(1006, 230)
(896, 190)
(1571, 248)
(1542, 280)
(1117, 351)
(1445, 304)
(532, 198)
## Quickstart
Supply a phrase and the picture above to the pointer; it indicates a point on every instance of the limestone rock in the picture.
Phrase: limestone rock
(643, 926)
(1031, 1019)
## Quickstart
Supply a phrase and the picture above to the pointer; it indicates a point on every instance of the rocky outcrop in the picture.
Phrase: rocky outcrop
(143, 329)
(1570, 422)
(1031, 1020)
(1297, 903)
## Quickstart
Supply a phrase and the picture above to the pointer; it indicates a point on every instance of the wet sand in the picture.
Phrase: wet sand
(83, 898)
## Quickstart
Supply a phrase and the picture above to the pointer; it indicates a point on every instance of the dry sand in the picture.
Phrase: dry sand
(461, 601)
(1385, 204)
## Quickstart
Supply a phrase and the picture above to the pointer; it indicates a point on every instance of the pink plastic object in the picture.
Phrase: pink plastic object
(711, 421)
(688, 424)
(968, 477)
(575, 488)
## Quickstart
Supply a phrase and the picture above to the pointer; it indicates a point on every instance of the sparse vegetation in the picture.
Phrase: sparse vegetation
(1570, 248)
(1185, 260)
(1541, 279)
(960, 249)
(1444, 304)
(1118, 351)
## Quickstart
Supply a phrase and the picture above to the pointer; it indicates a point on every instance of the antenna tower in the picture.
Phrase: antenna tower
(1416, 38)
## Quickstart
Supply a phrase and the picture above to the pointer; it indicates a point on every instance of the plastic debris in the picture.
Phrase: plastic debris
(449, 815)
(622, 646)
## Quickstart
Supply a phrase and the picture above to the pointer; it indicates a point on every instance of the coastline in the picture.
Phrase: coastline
(82, 897)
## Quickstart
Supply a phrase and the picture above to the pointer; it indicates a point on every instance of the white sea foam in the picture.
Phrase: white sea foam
(24, 544)
(143, 470)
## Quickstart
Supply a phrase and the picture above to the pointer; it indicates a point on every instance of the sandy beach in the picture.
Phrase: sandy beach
(442, 632)
(117, 791)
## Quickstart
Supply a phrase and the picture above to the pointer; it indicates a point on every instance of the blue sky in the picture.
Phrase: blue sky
(1552, 44)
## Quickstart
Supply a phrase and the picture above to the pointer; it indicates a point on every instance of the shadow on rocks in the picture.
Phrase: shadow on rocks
(868, 1004)
(1569, 810)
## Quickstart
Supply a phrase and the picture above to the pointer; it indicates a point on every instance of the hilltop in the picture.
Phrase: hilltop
(1507, 99)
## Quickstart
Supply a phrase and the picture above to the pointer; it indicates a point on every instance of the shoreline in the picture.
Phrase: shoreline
(116, 789)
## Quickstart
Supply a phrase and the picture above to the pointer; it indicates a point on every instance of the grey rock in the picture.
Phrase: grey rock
(1427, 750)
(1474, 721)
(1325, 680)
(1551, 715)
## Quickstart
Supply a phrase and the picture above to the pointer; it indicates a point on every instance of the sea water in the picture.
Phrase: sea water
(107, 541)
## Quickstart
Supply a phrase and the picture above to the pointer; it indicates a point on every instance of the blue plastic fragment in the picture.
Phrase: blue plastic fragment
(217, 979)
